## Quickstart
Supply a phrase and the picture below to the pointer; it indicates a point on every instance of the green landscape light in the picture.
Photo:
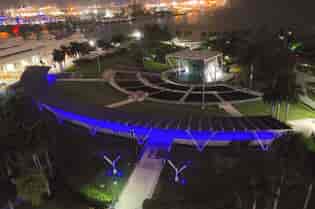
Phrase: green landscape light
(115, 182)
(295, 46)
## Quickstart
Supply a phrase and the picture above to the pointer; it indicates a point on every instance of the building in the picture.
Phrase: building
(16, 54)
(201, 66)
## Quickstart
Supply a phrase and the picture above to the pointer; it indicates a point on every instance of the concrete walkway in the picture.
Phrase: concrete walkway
(81, 79)
(142, 182)
(121, 103)
(229, 108)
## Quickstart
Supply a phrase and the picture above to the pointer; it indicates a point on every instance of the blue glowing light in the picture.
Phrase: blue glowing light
(93, 131)
(110, 173)
(162, 137)
(183, 181)
(51, 79)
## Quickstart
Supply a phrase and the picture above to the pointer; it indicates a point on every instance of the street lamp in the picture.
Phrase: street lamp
(138, 35)
(93, 44)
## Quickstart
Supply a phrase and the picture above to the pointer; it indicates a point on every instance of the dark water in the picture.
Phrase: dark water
(244, 14)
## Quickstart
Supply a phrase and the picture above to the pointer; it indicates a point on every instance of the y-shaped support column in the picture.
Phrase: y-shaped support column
(177, 170)
(113, 163)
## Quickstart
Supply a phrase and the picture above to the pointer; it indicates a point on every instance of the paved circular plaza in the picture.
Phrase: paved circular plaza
(158, 89)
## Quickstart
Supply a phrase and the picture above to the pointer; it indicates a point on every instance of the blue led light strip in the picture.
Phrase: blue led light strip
(161, 136)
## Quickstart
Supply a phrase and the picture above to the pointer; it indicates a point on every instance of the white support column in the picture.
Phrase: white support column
(262, 145)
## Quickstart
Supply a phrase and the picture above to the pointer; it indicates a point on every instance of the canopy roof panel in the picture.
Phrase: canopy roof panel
(195, 55)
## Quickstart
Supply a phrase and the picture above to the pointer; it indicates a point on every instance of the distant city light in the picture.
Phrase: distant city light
(281, 37)
(137, 35)
(108, 14)
(92, 43)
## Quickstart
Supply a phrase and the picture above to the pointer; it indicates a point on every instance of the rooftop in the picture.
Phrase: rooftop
(195, 55)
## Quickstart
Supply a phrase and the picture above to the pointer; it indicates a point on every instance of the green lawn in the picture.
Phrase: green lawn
(89, 69)
(104, 189)
(81, 165)
(155, 66)
(310, 144)
(94, 92)
(311, 94)
(297, 111)
(100, 93)
(172, 110)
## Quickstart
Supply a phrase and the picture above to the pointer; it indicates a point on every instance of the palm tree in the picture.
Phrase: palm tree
(32, 186)
(59, 56)
(9, 192)
(84, 48)
(75, 48)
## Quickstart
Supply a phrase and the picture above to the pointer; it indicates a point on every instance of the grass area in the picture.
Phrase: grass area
(253, 108)
(151, 65)
(311, 94)
(100, 93)
(106, 188)
(172, 110)
(94, 92)
(223, 178)
(309, 143)
(297, 111)
(89, 69)
(81, 181)
(86, 172)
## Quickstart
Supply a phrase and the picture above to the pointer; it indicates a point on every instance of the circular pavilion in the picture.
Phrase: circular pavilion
(196, 66)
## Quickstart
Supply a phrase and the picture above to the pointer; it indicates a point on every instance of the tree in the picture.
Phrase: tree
(8, 193)
(66, 50)
(155, 33)
(118, 38)
(84, 48)
(75, 48)
(32, 186)
(59, 56)
(137, 10)
(103, 44)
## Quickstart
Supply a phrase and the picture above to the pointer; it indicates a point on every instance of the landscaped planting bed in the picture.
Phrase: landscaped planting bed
(129, 84)
(144, 89)
(194, 98)
(168, 95)
(175, 87)
(154, 79)
(210, 98)
(236, 95)
(125, 76)
(212, 88)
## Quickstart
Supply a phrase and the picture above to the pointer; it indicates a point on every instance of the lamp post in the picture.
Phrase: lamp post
(93, 44)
